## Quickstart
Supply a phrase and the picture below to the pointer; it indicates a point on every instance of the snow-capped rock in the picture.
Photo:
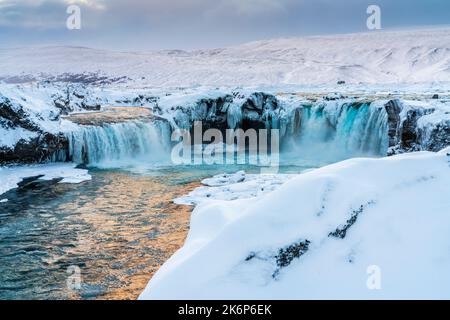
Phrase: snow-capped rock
(65, 172)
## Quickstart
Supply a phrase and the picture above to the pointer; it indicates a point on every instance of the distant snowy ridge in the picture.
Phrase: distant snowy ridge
(375, 57)
(315, 237)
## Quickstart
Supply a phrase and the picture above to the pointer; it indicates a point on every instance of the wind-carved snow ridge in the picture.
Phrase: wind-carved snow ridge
(120, 141)
(388, 212)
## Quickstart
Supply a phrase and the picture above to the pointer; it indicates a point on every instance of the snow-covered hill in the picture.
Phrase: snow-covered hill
(358, 229)
(377, 57)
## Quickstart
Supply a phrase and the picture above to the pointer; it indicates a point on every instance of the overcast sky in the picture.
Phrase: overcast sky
(189, 24)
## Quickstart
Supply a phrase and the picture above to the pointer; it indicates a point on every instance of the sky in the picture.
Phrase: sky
(192, 24)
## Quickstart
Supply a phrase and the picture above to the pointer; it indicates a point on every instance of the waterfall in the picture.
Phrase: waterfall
(119, 142)
(326, 130)
(338, 130)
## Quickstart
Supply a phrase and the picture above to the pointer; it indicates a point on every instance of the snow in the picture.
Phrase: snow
(11, 176)
(376, 57)
(234, 186)
(401, 229)
(440, 114)
(10, 137)
(36, 101)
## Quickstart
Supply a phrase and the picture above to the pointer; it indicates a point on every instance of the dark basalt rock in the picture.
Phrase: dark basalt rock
(440, 137)
(44, 148)
(408, 130)
(393, 109)
(284, 256)
(404, 136)
(289, 253)
(341, 231)
(256, 113)
(15, 116)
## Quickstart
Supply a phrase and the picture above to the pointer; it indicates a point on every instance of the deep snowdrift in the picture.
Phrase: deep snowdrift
(319, 234)
(375, 57)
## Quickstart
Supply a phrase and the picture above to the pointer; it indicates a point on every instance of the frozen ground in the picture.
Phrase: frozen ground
(358, 229)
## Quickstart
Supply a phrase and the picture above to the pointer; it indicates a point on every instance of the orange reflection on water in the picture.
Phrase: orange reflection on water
(133, 227)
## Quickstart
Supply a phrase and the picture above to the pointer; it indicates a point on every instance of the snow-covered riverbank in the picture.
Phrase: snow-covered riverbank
(10, 177)
(324, 234)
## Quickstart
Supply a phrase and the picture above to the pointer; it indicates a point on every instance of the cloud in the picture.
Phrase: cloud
(93, 4)
(135, 24)
(252, 7)
(41, 14)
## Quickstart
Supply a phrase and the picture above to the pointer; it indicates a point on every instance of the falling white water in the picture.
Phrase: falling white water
(337, 130)
(119, 142)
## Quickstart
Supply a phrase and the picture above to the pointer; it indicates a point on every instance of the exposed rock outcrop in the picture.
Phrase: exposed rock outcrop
(15, 116)
(44, 148)
(258, 110)
(405, 135)
(393, 110)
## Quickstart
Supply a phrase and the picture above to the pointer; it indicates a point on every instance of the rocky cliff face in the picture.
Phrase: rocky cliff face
(46, 147)
(37, 146)
(407, 133)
